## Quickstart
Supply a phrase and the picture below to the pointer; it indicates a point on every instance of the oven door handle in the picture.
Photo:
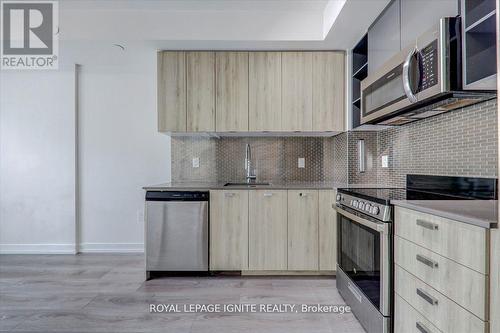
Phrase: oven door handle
(377, 226)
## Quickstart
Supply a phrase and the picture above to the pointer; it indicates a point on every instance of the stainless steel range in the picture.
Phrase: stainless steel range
(365, 241)
(364, 268)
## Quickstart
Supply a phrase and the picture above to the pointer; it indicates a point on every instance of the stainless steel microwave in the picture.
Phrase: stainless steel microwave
(423, 80)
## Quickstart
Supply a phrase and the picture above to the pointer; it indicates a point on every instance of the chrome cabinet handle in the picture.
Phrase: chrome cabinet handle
(427, 261)
(428, 298)
(427, 225)
(303, 194)
(229, 195)
(422, 328)
(268, 194)
(406, 77)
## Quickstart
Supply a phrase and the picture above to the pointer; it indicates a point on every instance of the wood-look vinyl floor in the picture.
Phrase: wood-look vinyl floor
(107, 293)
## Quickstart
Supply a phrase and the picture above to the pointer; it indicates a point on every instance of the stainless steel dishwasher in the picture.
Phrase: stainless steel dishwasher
(176, 231)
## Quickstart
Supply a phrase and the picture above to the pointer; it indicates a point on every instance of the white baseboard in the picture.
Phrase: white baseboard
(71, 249)
(111, 248)
(37, 249)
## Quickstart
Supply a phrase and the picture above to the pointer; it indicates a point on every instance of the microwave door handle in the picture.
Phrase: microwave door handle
(406, 77)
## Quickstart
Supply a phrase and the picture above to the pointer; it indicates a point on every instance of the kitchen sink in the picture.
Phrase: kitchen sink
(246, 184)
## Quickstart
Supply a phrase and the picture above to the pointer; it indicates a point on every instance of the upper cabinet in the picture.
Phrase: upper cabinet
(328, 88)
(384, 37)
(231, 70)
(251, 91)
(479, 44)
(419, 16)
(264, 89)
(200, 91)
(171, 91)
(400, 24)
(297, 91)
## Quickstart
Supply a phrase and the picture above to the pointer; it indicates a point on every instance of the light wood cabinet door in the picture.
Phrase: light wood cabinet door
(264, 89)
(171, 91)
(200, 91)
(267, 231)
(232, 91)
(228, 230)
(303, 230)
(327, 231)
(297, 91)
(328, 88)
(463, 285)
(408, 320)
(441, 311)
(444, 237)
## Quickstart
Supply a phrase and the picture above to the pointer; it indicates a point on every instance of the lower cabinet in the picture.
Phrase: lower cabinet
(273, 230)
(327, 231)
(267, 230)
(228, 230)
(303, 230)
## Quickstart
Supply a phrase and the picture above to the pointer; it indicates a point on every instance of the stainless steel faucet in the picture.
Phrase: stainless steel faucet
(248, 165)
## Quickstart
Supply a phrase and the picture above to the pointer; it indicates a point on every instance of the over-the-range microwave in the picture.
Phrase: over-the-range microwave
(422, 80)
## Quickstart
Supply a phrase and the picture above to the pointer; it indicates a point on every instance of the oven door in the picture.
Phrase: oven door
(364, 255)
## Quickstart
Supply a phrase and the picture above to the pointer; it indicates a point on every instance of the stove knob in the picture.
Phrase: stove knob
(361, 205)
(339, 197)
(368, 208)
(355, 203)
(351, 202)
(375, 210)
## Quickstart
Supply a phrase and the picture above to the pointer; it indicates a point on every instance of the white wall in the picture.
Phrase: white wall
(37, 161)
(120, 150)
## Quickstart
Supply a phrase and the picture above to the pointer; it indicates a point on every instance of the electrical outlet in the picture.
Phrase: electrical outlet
(196, 162)
(385, 161)
(302, 162)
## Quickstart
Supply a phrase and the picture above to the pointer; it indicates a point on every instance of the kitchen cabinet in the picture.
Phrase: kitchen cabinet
(297, 91)
(264, 89)
(328, 88)
(200, 91)
(228, 230)
(479, 44)
(231, 91)
(267, 230)
(417, 17)
(171, 91)
(429, 248)
(327, 229)
(384, 37)
(251, 91)
(303, 230)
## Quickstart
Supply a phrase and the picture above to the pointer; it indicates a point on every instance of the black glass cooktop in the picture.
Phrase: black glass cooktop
(423, 187)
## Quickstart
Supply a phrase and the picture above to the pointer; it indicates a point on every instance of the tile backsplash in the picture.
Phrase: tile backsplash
(275, 159)
(457, 143)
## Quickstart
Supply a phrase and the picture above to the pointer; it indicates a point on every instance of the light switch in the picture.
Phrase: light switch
(196, 162)
(385, 161)
(302, 162)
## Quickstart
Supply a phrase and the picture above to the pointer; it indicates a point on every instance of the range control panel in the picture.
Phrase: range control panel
(378, 211)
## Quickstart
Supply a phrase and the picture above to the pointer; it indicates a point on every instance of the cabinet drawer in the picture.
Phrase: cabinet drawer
(463, 285)
(445, 314)
(461, 242)
(408, 320)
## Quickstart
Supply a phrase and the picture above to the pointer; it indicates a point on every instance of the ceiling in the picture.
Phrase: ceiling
(88, 26)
